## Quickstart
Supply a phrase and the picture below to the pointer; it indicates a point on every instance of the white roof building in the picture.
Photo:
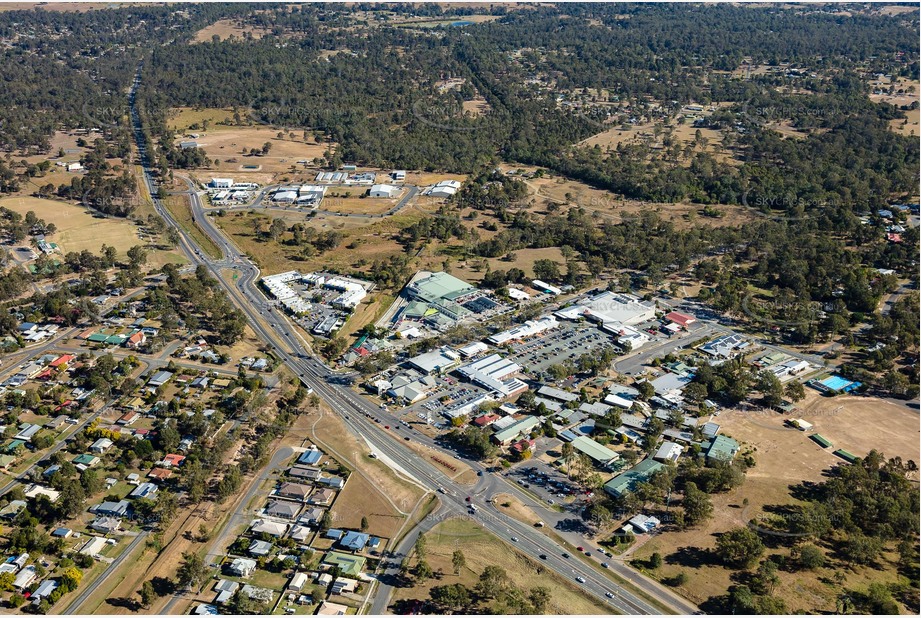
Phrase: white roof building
(472, 349)
(669, 451)
(523, 331)
(383, 191)
(445, 188)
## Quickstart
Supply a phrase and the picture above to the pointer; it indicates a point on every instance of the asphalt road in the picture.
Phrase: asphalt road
(352, 407)
(113, 566)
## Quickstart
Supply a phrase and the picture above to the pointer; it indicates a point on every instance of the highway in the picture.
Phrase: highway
(274, 328)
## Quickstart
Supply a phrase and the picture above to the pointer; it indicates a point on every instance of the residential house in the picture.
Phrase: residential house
(273, 528)
(354, 541)
(106, 525)
(101, 445)
(260, 548)
(282, 509)
(242, 567)
(144, 490)
(294, 491)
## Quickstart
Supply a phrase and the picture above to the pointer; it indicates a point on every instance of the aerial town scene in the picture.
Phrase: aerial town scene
(487, 308)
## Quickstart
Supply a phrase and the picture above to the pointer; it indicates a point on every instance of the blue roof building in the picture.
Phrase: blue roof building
(310, 457)
(354, 541)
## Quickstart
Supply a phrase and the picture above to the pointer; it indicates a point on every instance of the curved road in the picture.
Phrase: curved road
(274, 328)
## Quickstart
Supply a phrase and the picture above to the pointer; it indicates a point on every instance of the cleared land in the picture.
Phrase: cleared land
(226, 28)
(373, 490)
(230, 145)
(77, 229)
(786, 457)
(555, 193)
(482, 549)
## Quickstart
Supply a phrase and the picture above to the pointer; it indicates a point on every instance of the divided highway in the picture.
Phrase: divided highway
(274, 328)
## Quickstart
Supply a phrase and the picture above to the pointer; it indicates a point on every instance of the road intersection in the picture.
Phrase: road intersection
(274, 328)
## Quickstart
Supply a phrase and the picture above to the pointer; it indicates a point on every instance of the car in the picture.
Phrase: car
(467, 498)
(539, 524)
(588, 553)
(550, 501)
(580, 579)
(479, 473)
(604, 565)
(442, 490)
(610, 595)
(580, 548)
(406, 437)
(386, 426)
(543, 556)
(514, 539)
(565, 555)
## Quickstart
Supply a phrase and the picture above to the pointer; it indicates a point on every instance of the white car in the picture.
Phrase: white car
(580, 579)
(610, 595)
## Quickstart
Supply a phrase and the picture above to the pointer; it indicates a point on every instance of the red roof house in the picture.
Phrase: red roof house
(62, 359)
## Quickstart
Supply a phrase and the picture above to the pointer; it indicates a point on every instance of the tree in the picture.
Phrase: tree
(452, 597)
(137, 256)
(422, 570)
(697, 504)
(6, 581)
(277, 228)
(741, 600)
(647, 391)
(655, 560)
(192, 572)
(71, 578)
(795, 390)
(770, 387)
(810, 557)
(547, 270)
(148, 594)
(493, 581)
(458, 561)
(364, 524)
(739, 547)
(539, 598)
(765, 579)
(420, 546)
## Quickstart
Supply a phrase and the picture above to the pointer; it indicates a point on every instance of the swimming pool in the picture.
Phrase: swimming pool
(836, 383)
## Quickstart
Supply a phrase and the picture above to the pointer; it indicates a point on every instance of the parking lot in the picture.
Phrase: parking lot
(551, 486)
(429, 410)
(566, 343)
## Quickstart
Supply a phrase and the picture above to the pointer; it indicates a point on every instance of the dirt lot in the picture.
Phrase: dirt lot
(77, 229)
(515, 508)
(374, 489)
(226, 144)
(481, 550)
(605, 206)
(785, 457)
(362, 241)
(226, 28)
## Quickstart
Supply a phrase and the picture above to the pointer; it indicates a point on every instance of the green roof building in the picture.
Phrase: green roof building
(13, 446)
(523, 425)
(97, 338)
(626, 482)
(349, 565)
(722, 448)
(595, 451)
